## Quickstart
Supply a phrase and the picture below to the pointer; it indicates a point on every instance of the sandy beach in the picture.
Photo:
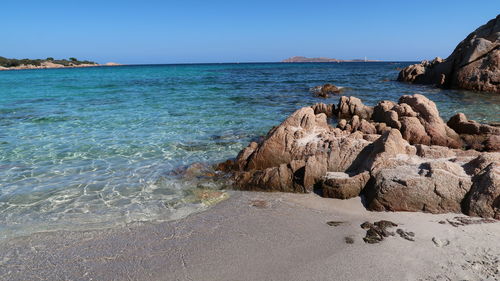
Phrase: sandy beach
(262, 236)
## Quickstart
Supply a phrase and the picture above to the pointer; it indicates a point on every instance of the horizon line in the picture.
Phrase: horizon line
(257, 62)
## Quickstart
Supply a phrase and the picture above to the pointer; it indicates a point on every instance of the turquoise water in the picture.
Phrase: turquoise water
(93, 147)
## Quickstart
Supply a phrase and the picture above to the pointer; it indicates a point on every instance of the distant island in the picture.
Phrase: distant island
(8, 64)
(322, 59)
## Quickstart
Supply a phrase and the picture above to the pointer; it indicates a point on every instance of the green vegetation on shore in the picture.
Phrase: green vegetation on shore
(5, 62)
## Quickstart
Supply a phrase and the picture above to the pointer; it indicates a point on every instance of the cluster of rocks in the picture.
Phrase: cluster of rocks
(473, 65)
(378, 231)
(326, 90)
(398, 156)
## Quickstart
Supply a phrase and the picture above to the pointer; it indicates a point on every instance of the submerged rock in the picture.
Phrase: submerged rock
(473, 65)
(399, 156)
(326, 90)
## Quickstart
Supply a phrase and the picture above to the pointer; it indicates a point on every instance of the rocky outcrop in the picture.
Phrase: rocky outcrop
(400, 156)
(473, 65)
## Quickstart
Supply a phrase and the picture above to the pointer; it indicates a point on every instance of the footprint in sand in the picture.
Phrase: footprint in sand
(440, 242)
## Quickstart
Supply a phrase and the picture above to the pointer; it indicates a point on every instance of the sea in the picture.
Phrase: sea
(99, 147)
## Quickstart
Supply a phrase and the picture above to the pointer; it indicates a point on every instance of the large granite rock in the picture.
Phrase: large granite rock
(400, 156)
(418, 185)
(473, 65)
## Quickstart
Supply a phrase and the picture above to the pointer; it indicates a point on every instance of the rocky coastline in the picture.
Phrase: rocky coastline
(398, 156)
(473, 65)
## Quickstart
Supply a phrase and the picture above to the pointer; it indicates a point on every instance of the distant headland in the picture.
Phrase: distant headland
(8, 64)
(323, 59)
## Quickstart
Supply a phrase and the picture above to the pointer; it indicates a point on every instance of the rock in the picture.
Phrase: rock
(492, 143)
(271, 179)
(428, 115)
(480, 162)
(475, 135)
(350, 106)
(436, 187)
(192, 171)
(226, 166)
(408, 235)
(341, 185)
(357, 124)
(334, 223)
(413, 131)
(404, 110)
(296, 154)
(462, 221)
(434, 151)
(326, 90)
(385, 151)
(484, 197)
(473, 65)
(420, 166)
(383, 112)
(298, 133)
(377, 231)
(348, 240)
(327, 109)
(385, 224)
(416, 117)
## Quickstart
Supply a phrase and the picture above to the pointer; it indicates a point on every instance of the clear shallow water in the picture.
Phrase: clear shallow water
(93, 147)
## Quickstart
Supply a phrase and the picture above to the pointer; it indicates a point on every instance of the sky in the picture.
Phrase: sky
(188, 31)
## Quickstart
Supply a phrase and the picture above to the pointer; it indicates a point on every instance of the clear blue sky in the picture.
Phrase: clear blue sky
(150, 31)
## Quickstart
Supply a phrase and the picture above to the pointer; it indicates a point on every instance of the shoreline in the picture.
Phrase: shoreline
(265, 236)
(31, 67)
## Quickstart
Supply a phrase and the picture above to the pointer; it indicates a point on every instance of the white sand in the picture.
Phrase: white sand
(261, 236)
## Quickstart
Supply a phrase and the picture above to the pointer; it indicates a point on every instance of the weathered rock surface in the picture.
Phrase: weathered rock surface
(342, 185)
(434, 186)
(473, 65)
(399, 156)
(484, 197)
(327, 109)
(350, 106)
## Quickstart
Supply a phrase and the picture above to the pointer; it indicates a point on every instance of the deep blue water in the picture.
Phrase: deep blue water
(93, 147)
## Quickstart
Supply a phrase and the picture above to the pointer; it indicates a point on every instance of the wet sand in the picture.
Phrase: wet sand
(262, 236)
